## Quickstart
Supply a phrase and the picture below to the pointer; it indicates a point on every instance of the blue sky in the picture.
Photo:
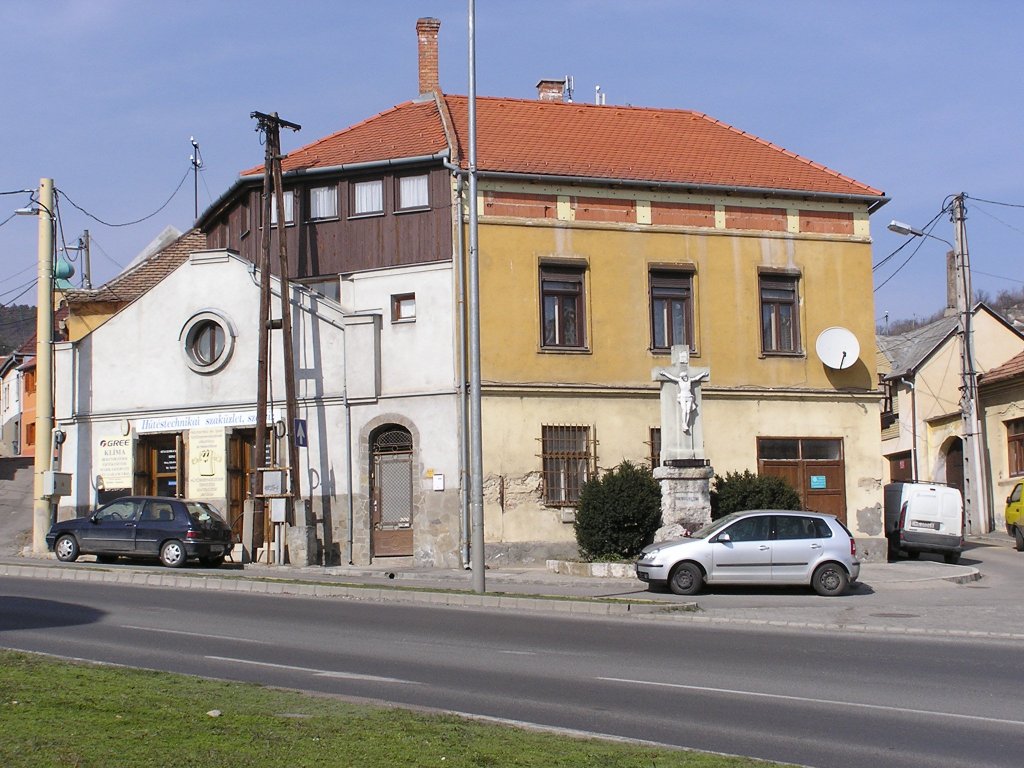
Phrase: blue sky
(921, 99)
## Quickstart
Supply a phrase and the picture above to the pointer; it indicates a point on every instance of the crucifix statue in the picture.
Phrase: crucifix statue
(682, 435)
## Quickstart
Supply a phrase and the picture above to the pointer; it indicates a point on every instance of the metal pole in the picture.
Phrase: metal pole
(476, 431)
(42, 507)
(975, 490)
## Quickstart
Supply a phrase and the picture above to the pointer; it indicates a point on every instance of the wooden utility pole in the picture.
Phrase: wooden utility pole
(271, 125)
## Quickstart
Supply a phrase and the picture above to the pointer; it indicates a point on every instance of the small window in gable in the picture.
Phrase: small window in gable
(368, 197)
(412, 192)
(323, 202)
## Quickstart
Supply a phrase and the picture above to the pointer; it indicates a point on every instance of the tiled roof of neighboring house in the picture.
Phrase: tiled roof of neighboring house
(906, 351)
(1012, 368)
(554, 138)
(135, 281)
(411, 129)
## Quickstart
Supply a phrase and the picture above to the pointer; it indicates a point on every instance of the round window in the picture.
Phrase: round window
(207, 340)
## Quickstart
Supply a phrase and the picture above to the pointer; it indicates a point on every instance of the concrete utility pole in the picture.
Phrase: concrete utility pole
(42, 508)
(976, 507)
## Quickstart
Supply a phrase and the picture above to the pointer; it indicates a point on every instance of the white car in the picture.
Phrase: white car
(764, 546)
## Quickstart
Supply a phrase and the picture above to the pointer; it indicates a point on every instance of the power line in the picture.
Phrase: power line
(127, 223)
(994, 202)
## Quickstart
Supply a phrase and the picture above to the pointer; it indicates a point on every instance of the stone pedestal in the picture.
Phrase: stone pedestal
(685, 498)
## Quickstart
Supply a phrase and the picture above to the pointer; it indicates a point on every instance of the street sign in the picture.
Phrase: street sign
(300, 433)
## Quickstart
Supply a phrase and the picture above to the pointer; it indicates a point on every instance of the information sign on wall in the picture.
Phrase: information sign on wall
(207, 455)
(113, 462)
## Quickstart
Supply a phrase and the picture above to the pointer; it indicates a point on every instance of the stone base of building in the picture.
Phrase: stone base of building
(685, 499)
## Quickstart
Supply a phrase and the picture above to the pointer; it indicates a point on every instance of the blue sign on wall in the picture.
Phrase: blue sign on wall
(300, 433)
(818, 482)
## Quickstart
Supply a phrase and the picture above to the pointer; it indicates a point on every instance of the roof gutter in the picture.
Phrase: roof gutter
(252, 178)
(876, 201)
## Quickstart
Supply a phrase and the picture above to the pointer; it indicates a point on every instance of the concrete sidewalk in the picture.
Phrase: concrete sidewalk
(924, 597)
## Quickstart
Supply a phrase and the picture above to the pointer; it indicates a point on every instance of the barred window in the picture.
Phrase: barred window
(1015, 445)
(567, 458)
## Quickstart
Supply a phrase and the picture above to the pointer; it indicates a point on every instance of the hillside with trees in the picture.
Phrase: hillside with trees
(17, 324)
(1009, 304)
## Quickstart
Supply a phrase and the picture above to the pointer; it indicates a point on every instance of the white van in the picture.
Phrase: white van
(924, 517)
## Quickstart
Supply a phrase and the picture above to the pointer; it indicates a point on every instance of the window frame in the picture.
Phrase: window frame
(1015, 447)
(400, 206)
(674, 285)
(563, 273)
(564, 469)
(191, 333)
(772, 341)
(289, 208)
(398, 301)
(354, 187)
(313, 214)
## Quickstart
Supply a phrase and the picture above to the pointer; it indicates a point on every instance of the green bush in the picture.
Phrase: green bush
(737, 492)
(618, 513)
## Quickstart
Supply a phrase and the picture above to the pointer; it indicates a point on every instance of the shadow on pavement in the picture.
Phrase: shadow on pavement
(32, 613)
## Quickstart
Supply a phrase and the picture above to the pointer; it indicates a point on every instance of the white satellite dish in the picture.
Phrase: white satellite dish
(837, 347)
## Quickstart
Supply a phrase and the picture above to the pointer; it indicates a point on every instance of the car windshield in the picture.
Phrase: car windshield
(203, 513)
(714, 526)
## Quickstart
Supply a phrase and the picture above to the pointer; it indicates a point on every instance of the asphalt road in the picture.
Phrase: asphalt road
(810, 698)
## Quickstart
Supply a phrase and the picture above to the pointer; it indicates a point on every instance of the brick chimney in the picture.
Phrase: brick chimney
(426, 35)
(550, 90)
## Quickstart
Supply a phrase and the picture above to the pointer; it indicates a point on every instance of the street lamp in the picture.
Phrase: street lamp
(975, 488)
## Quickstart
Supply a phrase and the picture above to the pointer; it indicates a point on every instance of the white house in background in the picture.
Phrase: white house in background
(921, 425)
(158, 396)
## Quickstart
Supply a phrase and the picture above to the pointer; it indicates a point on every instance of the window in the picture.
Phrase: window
(671, 309)
(403, 308)
(567, 461)
(779, 322)
(750, 529)
(323, 202)
(289, 208)
(562, 299)
(412, 192)
(30, 381)
(1015, 445)
(367, 197)
(30, 434)
(655, 445)
(207, 339)
(325, 286)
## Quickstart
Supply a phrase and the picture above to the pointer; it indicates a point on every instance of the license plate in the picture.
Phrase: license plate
(925, 524)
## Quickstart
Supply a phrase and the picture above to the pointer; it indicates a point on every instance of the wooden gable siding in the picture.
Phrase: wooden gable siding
(346, 243)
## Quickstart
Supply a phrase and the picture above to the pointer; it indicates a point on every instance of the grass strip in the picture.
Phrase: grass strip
(61, 714)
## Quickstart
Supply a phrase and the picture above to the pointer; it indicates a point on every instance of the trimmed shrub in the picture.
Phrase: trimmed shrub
(618, 513)
(737, 492)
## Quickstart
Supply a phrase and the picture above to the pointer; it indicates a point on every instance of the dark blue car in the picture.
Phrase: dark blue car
(173, 530)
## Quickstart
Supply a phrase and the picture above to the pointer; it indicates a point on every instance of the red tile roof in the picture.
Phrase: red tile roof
(581, 140)
(1012, 368)
(411, 129)
(131, 284)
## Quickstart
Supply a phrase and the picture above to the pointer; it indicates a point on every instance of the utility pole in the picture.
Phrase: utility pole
(42, 508)
(197, 162)
(976, 507)
(271, 125)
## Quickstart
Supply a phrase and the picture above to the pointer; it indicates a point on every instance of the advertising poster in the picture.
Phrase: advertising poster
(113, 462)
(207, 458)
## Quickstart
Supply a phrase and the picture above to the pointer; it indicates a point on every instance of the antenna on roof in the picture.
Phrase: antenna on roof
(568, 88)
(196, 158)
(598, 96)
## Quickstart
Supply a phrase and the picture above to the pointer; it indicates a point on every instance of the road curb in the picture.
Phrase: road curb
(456, 599)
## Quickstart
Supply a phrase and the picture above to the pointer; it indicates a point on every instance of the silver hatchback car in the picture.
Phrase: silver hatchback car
(763, 546)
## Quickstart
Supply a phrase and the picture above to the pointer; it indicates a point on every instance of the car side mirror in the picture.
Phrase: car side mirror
(724, 538)
(94, 519)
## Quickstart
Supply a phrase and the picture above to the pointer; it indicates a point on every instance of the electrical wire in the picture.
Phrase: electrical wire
(29, 288)
(136, 221)
(927, 229)
(993, 202)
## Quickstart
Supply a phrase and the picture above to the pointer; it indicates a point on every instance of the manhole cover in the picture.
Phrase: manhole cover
(896, 615)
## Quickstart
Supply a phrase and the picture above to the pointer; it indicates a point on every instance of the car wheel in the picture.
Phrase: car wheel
(66, 549)
(212, 562)
(1018, 539)
(686, 579)
(830, 579)
(172, 554)
(952, 558)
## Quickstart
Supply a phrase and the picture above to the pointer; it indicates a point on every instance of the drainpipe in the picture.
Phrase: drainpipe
(913, 427)
(348, 441)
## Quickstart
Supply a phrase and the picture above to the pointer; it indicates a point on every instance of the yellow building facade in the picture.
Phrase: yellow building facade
(596, 396)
